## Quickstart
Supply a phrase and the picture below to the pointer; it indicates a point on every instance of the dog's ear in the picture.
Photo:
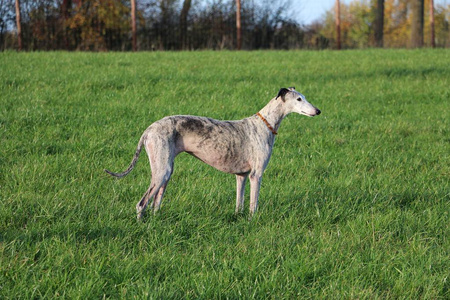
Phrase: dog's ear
(282, 93)
(292, 88)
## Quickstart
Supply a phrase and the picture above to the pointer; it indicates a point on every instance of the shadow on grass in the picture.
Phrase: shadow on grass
(393, 73)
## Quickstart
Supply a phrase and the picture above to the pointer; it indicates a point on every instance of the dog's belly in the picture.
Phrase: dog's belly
(224, 165)
(224, 157)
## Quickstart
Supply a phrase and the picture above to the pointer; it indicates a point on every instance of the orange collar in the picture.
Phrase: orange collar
(267, 123)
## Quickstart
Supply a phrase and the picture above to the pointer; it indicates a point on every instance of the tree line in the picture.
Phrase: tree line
(126, 25)
(387, 23)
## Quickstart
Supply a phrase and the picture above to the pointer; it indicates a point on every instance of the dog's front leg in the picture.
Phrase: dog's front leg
(240, 182)
(255, 184)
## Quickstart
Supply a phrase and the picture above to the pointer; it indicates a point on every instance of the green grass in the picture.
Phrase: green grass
(354, 203)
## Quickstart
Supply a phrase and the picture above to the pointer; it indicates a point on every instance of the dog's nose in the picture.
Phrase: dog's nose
(318, 111)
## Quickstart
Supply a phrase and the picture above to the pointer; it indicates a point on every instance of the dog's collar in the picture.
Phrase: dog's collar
(267, 123)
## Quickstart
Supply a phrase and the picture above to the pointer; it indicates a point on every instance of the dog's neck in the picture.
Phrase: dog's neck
(274, 112)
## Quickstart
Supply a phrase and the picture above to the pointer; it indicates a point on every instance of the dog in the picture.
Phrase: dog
(241, 147)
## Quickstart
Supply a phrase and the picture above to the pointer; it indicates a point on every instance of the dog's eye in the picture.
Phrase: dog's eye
(299, 99)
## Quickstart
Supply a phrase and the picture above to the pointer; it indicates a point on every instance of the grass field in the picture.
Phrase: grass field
(354, 203)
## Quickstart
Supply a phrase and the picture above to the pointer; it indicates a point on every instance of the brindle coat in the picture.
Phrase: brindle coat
(240, 147)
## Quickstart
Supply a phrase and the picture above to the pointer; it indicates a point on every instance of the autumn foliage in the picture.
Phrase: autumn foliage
(102, 25)
(357, 24)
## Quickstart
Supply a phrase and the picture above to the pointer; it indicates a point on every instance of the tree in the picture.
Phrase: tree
(432, 35)
(65, 7)
(238, 24)
(133, 24)
(417, 21)
(355, 25)
(183, 23)
(338, 24)
(19, 27)
(379, 23)
(396, 23)
(100, 25)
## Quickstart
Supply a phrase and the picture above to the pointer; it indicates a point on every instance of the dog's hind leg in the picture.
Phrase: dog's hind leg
(161, 163)
(155, 191)
(156, 204)
(142, 204)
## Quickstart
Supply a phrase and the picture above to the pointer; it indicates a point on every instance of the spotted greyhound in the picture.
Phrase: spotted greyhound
(240, 147)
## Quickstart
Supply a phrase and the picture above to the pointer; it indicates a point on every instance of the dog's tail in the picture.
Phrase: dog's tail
(133, 162)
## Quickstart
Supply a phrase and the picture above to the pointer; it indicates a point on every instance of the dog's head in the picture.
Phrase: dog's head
(296, 102)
